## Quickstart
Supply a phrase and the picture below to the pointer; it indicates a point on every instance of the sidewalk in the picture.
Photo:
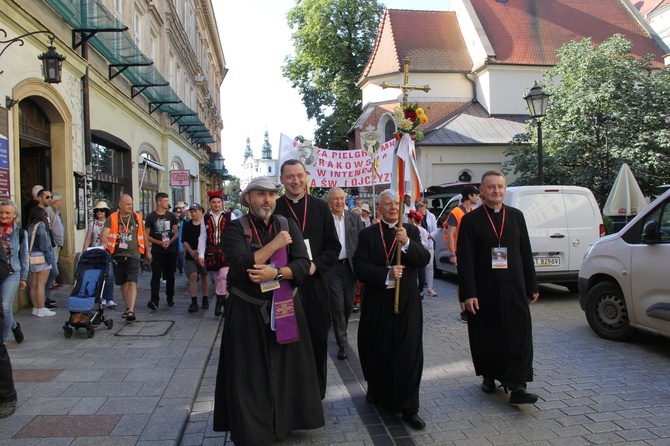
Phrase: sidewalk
(135, 383)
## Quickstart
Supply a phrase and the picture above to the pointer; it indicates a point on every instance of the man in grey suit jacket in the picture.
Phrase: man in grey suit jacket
(341, 279)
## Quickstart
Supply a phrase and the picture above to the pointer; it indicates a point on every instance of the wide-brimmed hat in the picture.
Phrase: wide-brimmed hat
(101, 205)
(259, 183)
(181, 204)
(365, 207)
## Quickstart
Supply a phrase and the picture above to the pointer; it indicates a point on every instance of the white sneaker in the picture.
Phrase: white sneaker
(111, 304)
(103, 303)
(34, 311)
(45, 312)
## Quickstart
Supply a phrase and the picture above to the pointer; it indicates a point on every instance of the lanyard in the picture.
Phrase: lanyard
(389, 253)
(502, 226)
(126, 229)
(253, 226)
(304, 217)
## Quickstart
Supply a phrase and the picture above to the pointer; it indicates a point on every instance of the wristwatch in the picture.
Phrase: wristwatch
(280, 276)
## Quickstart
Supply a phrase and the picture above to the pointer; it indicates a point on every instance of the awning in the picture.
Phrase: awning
(153, 164)
(91, 21)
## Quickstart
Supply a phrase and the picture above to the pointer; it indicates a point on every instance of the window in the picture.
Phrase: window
(110, 166)
(137, 25)
(389, 130)
(178, 192)
(118, 9)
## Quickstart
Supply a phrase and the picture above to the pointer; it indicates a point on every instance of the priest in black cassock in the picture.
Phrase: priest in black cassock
(391, 345)
(266, 385)
(315, 222)
(496, 279)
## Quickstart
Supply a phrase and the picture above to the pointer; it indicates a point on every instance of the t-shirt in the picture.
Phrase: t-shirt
(159, 227)
(126, 243)
(190, 234)
(96, 229)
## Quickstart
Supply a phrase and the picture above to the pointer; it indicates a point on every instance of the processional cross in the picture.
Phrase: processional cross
(406, 88)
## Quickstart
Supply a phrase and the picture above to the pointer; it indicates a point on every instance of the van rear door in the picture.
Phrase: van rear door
(544, 211)
(583, 223)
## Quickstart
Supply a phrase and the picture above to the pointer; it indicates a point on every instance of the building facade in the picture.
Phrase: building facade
(137, 109)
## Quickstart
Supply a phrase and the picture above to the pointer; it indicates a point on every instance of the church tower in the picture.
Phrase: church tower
(267, 148)
(248, 153)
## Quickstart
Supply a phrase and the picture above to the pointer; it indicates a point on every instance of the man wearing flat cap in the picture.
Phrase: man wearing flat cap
(215, 222)
(265, 339)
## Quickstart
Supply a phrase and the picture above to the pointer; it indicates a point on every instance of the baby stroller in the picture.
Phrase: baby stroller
(85, 300)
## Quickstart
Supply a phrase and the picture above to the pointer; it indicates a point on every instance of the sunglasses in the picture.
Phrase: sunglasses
(98, 210)
(178, 211)
(47, 197)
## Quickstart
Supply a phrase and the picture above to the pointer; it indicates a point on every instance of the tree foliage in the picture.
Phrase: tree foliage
(607, 107)
(333, 40)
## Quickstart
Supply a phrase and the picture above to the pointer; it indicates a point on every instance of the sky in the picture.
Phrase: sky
(255, 97)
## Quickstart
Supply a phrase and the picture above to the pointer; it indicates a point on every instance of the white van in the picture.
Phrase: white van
(623, 281)
(562, 221)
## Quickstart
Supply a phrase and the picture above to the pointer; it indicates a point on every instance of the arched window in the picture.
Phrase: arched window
(149, 179)
(178, 192)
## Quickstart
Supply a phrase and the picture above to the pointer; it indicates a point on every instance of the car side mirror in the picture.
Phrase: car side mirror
(650, 232)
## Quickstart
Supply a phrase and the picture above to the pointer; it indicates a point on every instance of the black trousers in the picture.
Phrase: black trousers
(7, 390)
(162, 266)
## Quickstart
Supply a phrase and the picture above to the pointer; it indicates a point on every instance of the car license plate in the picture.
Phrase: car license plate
(547, 261)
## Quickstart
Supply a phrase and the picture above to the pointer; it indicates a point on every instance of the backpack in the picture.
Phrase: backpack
(244, 220)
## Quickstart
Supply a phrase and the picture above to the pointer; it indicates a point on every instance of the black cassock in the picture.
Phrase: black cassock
(501, 337)
(390, 346)
(263, 390)
(314, 219)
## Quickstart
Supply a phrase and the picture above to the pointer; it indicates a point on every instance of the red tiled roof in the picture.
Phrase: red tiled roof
(431, 39)
(529, 32)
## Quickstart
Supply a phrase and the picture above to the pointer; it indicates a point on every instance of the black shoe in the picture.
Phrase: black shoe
(369, 398)
(488, 385)
(50, 304)
(520, 396)
(463, 317)
(193, 307)
(205, 303)
(170, 301)
(18, 334)
(414, 420)
(342, 354)
(152, 305)
(218, 306)
(355, 309)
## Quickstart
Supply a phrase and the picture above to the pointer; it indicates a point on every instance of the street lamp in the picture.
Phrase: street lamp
(51, 60)
(220, 169)
(537, 101)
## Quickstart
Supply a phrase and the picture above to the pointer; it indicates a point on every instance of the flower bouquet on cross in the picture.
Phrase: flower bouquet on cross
(409, 118)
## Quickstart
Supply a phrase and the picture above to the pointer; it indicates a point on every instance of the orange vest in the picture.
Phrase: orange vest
(458, 213)
(113, 236)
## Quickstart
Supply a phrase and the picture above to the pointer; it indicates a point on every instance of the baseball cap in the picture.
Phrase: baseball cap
(469, 190)
(195, 207)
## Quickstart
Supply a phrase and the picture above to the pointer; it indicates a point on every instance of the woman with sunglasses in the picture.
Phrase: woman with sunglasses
(92, 240)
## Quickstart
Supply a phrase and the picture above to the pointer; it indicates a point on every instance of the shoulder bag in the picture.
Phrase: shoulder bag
(35, 259)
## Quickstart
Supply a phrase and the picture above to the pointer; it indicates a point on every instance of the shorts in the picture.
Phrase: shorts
(191, 267)
(126, 269)
(41, 267)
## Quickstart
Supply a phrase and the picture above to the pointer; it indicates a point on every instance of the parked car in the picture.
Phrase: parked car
(562, 221)
(623, 280)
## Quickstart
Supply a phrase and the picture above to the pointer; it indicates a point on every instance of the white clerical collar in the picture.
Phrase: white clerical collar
(390, 225)
(296, 200)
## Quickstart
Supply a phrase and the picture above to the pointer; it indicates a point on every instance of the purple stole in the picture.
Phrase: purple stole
(286, 324)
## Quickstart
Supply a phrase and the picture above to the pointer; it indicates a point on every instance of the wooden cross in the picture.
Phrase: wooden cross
(405, 87)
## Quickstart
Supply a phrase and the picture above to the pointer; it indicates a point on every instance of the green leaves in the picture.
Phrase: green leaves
(579, 149)
(332, 40)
